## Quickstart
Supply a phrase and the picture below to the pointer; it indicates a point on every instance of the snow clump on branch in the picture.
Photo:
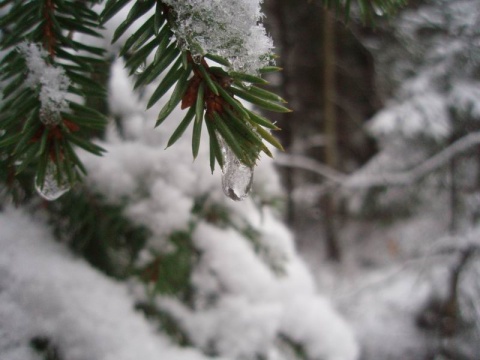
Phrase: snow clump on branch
(52, 82)
(228, 28)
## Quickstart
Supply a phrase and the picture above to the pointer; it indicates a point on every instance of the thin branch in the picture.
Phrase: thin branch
(306, 163)
(360, 181)
(418, 172)
(426, 259)
(49, 40)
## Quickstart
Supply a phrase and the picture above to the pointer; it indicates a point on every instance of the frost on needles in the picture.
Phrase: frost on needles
(228, 28)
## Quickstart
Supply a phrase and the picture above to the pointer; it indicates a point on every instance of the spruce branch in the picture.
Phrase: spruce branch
(210, 92)
(43, 70)
(45, 67)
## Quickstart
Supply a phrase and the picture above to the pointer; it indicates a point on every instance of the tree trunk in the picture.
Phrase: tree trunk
(287, 135)
(330, 132)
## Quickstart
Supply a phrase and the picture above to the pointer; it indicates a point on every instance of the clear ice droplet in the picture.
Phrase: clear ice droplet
(237, 181)
(50, 189)
(237, 178)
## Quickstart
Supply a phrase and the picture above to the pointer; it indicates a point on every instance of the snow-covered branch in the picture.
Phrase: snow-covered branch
(309, 164)
(359, 180)
(418, 172)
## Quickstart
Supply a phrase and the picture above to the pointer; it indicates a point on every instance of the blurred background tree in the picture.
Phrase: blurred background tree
(328, 79)
(401, 178)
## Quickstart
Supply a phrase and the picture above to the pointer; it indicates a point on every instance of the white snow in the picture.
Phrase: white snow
(254, 306)
(47, 292)
(424, 114)
(465, 98)
(228, 28)
(52, 81)
(384, 314)
(120, 96)
(235, 326)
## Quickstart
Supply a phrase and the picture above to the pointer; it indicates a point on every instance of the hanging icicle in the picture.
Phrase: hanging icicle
(51, 189)
(237, 178)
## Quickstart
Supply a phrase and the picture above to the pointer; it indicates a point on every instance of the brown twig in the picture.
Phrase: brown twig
(50, 40)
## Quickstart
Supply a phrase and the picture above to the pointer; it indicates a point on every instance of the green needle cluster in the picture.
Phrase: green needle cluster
(210, 92)
(27, 141)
